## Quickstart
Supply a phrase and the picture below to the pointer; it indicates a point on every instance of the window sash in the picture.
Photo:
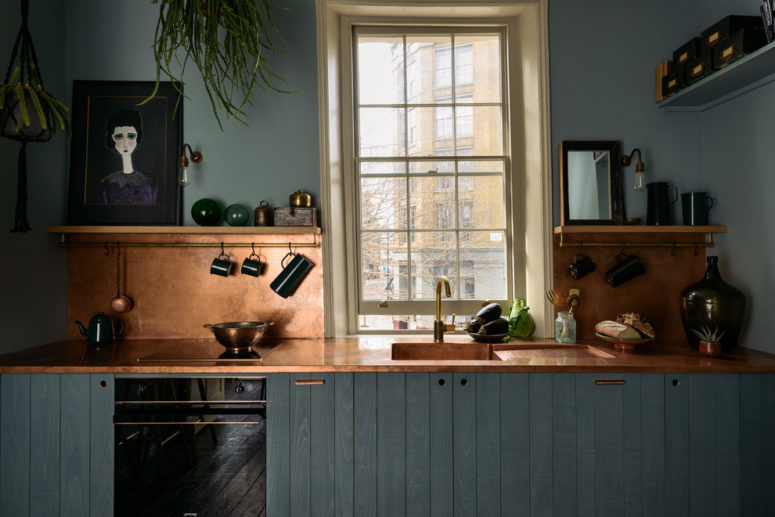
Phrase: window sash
(409, 136)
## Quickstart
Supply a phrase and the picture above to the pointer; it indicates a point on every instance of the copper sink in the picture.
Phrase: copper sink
(430, 351)
(426, 350)
(507, 352)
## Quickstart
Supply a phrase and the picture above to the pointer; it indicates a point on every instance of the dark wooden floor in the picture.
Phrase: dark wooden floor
(226, 480)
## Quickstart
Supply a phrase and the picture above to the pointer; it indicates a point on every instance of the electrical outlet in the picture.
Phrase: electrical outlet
(572, 292)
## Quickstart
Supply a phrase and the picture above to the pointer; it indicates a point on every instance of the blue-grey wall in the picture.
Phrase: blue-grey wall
(736, 140)
(273, 157)
(33, 269)
(603, 55)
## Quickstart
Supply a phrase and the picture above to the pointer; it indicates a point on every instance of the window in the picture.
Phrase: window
(420, 215)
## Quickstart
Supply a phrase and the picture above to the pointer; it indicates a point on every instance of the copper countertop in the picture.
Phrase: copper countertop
(358, 354)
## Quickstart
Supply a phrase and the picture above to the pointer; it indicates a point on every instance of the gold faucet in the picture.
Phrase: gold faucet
(439, 327)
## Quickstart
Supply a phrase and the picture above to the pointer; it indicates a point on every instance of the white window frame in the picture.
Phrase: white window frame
(528, 90)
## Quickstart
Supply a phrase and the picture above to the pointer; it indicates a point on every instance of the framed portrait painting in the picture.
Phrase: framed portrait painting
(124, 156)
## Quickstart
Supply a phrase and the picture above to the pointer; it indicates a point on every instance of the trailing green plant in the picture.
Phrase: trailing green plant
(706, 334)
(227, 41)
(29, 108)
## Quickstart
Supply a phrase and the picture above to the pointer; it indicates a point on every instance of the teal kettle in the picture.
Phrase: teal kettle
(101, 329)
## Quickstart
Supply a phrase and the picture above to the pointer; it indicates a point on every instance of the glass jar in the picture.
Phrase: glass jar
(565, 328)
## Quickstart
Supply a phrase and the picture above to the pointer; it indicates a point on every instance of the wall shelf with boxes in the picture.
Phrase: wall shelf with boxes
(634, 236)
(748, 73)
(187, 236)
(728, 59)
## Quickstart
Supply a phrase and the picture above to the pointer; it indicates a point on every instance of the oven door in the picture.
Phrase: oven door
(189, 445)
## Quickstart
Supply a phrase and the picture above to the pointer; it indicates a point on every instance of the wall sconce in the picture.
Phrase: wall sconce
(640, 170)
(183, 178)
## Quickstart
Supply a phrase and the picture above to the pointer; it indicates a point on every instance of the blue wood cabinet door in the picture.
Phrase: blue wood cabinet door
(56, 444)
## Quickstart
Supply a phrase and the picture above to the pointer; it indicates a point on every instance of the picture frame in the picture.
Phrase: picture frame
(122, 174)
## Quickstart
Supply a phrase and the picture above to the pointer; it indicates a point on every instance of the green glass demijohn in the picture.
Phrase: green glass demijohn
(713, 303)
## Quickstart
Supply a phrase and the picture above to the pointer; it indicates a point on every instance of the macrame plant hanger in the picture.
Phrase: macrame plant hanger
(28, 112)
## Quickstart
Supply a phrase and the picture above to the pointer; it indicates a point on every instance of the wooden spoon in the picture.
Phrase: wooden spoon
(120, 303)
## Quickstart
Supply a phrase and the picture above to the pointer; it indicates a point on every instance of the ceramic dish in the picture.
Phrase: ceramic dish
(488, 338)
(624, 344)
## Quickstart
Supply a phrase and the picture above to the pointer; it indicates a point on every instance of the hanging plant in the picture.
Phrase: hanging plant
(28, 112)
(227, 41)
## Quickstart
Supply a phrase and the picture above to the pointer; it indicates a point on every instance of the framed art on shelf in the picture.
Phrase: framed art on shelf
(124, 155)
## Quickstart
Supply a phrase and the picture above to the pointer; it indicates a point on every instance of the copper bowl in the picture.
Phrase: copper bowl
(238, 336)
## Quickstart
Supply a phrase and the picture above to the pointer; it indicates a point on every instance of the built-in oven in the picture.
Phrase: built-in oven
(190, 446)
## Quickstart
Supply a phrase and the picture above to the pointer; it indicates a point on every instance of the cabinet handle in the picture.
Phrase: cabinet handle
(606, 382)
(309, 382)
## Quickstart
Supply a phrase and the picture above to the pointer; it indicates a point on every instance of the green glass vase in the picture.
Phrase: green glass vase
(713, 303)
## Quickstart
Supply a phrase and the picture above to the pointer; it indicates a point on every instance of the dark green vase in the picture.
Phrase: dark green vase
(713, 303)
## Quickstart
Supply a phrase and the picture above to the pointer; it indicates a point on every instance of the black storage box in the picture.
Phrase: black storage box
(738, 45)
(698, 68)
(687, 51)
(727, 27)
(674, 80)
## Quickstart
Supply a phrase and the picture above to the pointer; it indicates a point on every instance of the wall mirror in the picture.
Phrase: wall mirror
(590, 182)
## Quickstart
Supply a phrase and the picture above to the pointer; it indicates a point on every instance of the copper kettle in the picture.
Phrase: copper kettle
(300, 198)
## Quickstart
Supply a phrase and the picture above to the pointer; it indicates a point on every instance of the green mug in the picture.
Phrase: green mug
(695, 206)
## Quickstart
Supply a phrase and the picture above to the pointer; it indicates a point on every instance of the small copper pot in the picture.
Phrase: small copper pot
(300, 198)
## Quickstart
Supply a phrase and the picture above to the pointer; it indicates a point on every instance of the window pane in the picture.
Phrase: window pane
(430, 131)
(433, 256)
(486, 139)
(478, 66)
(380, 70)
(484, 195)
(381, 132)
(483, 264)
(383, 203)
(479, 165)
(383, 167)
(382, 275)
(434, 201)
(428, 166)
(425, 67)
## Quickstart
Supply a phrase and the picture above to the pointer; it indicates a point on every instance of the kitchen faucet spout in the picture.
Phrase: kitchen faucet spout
(439, 327)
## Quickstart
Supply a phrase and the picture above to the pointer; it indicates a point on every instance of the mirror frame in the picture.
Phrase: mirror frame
(615, 180)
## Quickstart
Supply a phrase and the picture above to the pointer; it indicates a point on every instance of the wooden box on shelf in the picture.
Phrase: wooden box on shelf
(295, 216)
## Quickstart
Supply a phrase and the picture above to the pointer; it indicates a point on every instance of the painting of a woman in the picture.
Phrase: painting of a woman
(127, 186)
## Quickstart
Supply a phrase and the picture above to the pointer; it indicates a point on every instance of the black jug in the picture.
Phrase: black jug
(659, 205)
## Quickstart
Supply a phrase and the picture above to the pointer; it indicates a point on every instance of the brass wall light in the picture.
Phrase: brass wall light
(184, 179)
(640, 170)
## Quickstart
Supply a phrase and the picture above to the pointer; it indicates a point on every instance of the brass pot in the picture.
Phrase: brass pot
(300, 198)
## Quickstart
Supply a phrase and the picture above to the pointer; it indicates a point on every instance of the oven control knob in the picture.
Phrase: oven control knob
(239, 388)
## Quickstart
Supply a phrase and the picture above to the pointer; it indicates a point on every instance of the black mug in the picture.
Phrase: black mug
(658, 205)
(581, 266)
(627, 267)
(221, 265)
(292, 274)
(695, 206)
(252, 266)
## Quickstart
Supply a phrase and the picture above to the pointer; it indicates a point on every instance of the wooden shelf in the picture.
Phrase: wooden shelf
(639, 229)
(742, 76)
(211, 230)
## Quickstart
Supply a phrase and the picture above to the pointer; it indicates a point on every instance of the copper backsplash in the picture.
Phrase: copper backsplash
(655, 294)
(174, 293)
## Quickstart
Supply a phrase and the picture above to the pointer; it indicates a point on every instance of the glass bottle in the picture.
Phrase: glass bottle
(565, 328)
(715, 304)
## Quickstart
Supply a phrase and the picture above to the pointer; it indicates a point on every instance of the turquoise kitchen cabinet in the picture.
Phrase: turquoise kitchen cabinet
(521, 444)
(56, 444)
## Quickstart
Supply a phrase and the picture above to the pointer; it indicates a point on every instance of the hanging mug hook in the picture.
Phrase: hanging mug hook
(253, 252)
(287, 255)
(674, 250)
(107, 250)
(118, 248)
(223, 253)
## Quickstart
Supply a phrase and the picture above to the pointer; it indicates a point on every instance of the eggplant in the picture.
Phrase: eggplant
(497, 326)
(473, 325)
(487, 313)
